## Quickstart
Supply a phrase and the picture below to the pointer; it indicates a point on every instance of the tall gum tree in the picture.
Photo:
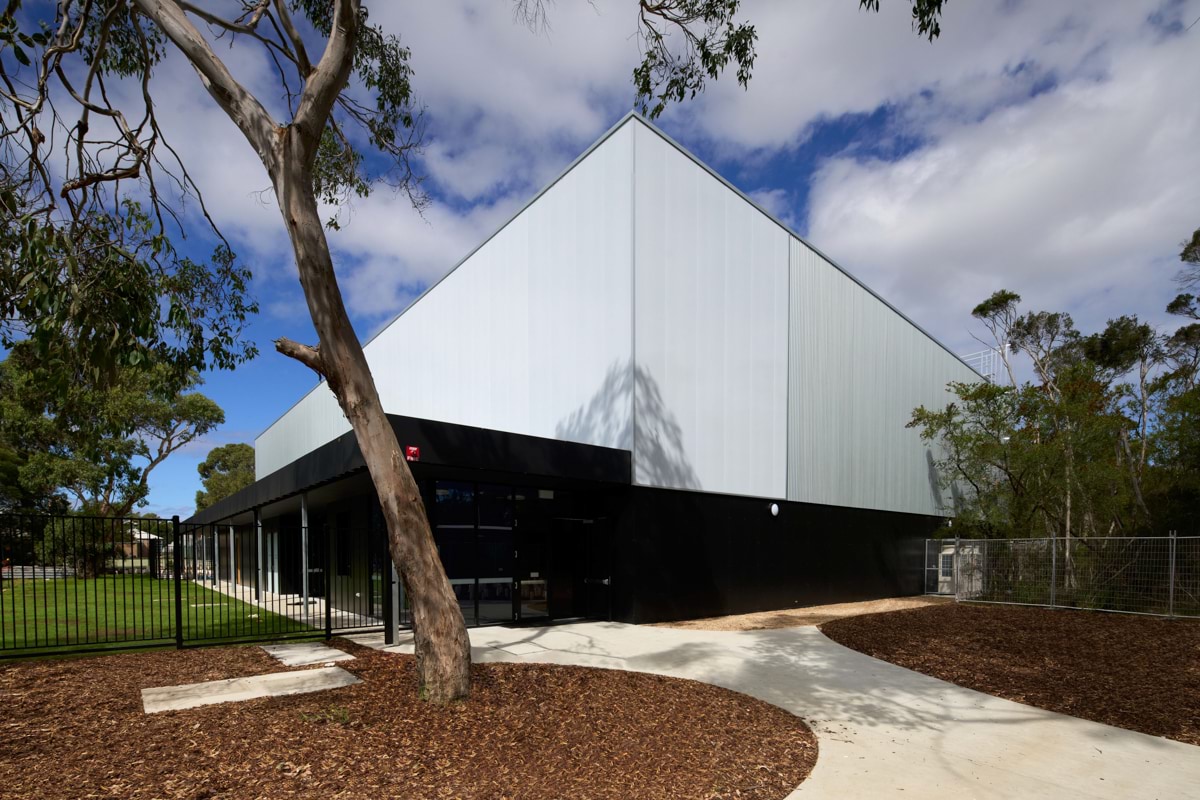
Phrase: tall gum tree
(312, 157)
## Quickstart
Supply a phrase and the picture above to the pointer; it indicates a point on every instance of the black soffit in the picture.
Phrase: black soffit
(441, 444)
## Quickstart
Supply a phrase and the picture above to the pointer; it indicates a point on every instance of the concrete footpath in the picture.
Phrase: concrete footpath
(884, 731)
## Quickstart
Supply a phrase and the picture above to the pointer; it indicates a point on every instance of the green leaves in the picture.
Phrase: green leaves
(379, 105)
(1100, 443)
(97, 445)
(108, 292)
(926, 15)
(1191, 249)
(687, 43)
(226, 470)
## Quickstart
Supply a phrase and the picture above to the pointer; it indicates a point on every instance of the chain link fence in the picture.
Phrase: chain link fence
(1133, 575)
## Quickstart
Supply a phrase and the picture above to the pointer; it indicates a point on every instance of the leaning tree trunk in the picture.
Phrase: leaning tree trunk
(442, 647)
(288, 153)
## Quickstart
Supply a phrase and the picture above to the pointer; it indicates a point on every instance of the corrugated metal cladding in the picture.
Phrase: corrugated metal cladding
(710, 331)
(531, 334)
(756, 367)
(857, 370)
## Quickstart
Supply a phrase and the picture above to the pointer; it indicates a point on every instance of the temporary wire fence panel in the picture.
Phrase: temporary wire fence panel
(1136, 575)
(71, 583)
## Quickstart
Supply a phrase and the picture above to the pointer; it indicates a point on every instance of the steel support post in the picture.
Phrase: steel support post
(304, 555)
(1053, 570)
(957, 565)
(258, 558)
(1171, 580)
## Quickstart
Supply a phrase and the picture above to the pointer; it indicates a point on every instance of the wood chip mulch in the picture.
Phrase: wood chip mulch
(1139, 673)
(75, 728)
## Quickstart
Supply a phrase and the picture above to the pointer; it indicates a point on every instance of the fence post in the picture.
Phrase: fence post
(177, 570)
(1053, 567)
(1171, 584)
(957, 565)
(389, 608)
(328, 572)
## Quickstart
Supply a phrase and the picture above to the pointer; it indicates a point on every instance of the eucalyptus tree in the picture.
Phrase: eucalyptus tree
(225, 470)
(97, 446)
(348, 106)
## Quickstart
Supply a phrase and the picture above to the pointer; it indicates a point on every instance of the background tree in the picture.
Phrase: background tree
(97, 447)
(224, 471)
(352, 96)
(1104, 441)
(998, 314)
(15, 496)
(1189, 276)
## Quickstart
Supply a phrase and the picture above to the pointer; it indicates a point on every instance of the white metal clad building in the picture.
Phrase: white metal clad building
(641, 303)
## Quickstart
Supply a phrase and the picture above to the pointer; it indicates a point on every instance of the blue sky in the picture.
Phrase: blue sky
(1047, 148)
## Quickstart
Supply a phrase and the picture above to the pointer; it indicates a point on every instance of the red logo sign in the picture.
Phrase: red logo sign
(412, 453)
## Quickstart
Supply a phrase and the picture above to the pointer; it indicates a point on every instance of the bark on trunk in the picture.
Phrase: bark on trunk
(288, 153)
(442, 647)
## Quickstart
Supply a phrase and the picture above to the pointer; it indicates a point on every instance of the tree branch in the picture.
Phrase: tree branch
(285, 19)
(306, 354)
(241, 106)
(328, 78)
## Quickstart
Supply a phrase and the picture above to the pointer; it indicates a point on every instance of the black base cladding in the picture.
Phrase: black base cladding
(602, 547)
(686, 555)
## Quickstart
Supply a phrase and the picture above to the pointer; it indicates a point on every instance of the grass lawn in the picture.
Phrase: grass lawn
(73, 612)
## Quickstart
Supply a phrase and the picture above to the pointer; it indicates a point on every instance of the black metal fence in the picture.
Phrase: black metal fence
(76, 583)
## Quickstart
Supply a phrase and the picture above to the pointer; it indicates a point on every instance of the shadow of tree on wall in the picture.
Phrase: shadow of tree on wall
(935, 481)
(659, 456)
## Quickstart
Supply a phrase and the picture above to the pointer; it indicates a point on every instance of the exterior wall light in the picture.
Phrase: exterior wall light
(774, 509)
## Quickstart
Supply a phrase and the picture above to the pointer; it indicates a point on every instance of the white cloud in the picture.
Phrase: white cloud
(1075, 198)
(1066, 196)
(387, 253)
(828, 58)
(778, 203)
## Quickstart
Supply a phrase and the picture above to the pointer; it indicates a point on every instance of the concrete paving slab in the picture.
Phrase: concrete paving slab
(303, 654)
(523, 648)
(278, 684)
(884, 731)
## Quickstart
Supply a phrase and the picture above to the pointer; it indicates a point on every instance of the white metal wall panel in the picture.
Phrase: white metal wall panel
(530, 334)
(857, 370)
(312, 422)
(710, 331)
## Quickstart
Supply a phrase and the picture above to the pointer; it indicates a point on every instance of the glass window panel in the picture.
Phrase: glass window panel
(495, 575)
(495, 600)
(533, 599)
(464, 590)
(454, 504)
(495, 505)
(457, 548)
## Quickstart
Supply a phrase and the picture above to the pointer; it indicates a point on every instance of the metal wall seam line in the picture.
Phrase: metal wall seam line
(633, 365)
(787, 420)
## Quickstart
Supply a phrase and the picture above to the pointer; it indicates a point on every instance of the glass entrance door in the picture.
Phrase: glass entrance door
(530, 545)
(567, 569)
(579, 569)
(496, 553)
(454, 531)
(512, 553)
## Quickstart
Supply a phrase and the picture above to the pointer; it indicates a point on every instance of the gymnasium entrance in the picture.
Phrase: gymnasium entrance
(519, 553)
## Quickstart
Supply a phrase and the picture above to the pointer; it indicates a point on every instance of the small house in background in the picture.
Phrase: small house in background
(961, 576)
(137, 551)
(643, 398)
